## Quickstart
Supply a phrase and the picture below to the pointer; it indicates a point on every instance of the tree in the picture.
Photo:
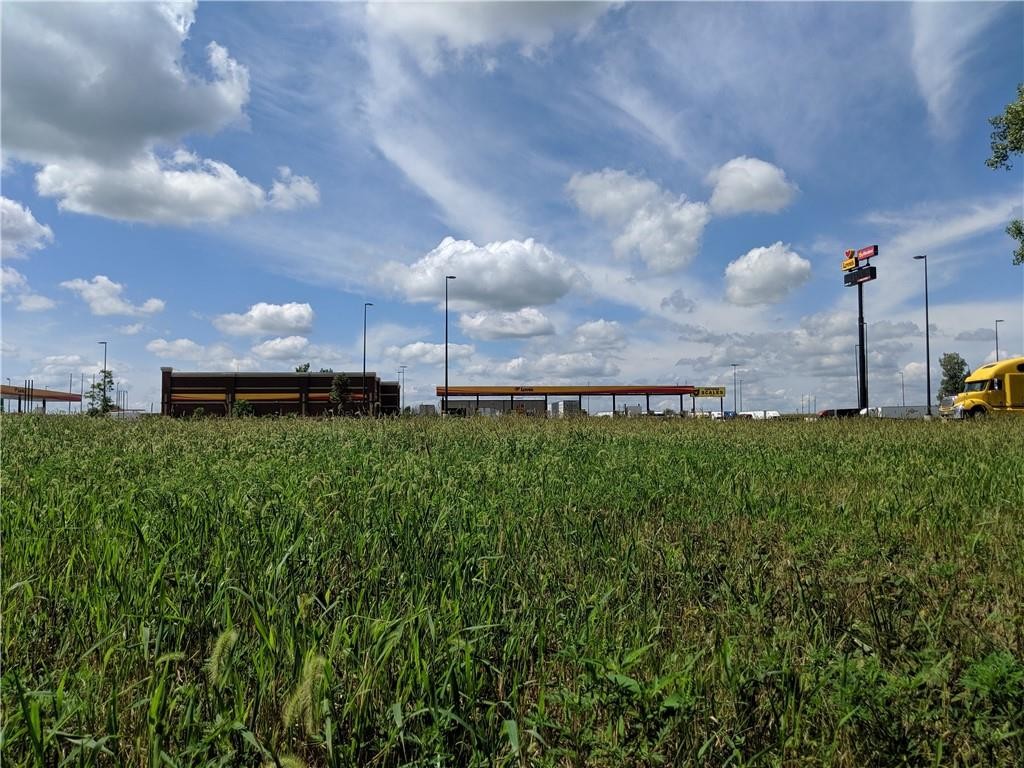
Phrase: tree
(98, 394)
(326, 370)
(242, 408)
(339, 391)
(1008, 140)
(304, 368)
(954, 371)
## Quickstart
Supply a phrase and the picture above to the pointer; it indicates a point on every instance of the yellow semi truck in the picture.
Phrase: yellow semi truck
(994, 388)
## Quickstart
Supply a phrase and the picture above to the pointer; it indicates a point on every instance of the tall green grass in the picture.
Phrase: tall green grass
(512, 592)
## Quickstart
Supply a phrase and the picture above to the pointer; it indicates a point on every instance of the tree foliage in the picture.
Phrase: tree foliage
(98, 394)
(1007, 141)
(304, 368)
(339, 391)
(1008, 133)
(954, 371)
(242, 408)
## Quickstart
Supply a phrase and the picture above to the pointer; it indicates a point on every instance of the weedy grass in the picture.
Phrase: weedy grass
(512, 592)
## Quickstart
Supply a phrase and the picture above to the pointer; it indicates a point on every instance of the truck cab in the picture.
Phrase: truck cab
(993, 388)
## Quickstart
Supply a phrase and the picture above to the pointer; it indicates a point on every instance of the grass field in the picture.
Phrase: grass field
(512, 592)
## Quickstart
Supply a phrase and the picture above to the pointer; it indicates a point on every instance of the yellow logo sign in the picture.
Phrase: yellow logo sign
(849, 264)
(710, 392)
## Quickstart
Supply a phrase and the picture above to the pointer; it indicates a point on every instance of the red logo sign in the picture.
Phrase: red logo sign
(868, 252)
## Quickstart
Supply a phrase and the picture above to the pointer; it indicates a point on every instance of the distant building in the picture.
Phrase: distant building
(274, 394)
(494, 407)
(427, 409)
(565, 408)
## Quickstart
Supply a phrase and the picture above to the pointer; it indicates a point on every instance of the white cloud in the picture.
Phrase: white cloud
(130, 329)
(433, 32)
(103, 296)
(11, 280)
(407, 44)
(180, 349)
(678, 301)
(553, 366)
(913, 372)
(507, 275)
(96, 94)
(34, 302)
(599, 334)
(215, 357)
(425, 353)
(285, 348)
(290, 191)
(524, 323)
(746, 184)
(662, 230)
(765, 275)
(14, 286)
(978, 334)
(266, 319)
(156, 191)
(19, 230)
(944, 38)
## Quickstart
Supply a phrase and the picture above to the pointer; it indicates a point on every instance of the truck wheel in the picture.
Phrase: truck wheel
(976, 412)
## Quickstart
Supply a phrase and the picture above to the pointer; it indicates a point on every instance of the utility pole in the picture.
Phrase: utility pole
(444, 400)
(997, 339)
(734, 405)
(401, 373)
(927, 329)
(366, 305)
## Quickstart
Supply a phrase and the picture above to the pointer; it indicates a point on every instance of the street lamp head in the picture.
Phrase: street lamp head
(449, 277)
(922, 256)
(367, 303)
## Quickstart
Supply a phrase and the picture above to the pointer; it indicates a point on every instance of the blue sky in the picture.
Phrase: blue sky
(627, 193)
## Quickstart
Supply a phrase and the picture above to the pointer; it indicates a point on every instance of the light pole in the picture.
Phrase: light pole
(903, 388)
(444, 400)
(740, 390)
(401, 372)
(734, 366)
(927, 340)
(366, 306)
(103, 376)
(997, 339)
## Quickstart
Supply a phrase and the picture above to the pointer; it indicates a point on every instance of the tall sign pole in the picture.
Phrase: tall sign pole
(857, 273)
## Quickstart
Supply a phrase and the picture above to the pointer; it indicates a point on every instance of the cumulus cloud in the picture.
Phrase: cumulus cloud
(267, 319)
(678, 301)
(661, 230)
(765, 275)
(599, 334)
(213, 357)
(20, 233)
(157, 191)
(426, 353)
(34, 302)
(490, 326)
(746, 184)
(434, 32)
(130, 329)
(285, 348)
(553, 366)
(978, 334)
(94, 94)
(180, 349)
(506, 276)
(14, 287)
(290, 191)
(104, 297)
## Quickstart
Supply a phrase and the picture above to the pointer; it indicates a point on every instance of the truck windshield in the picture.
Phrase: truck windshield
(975, 386)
